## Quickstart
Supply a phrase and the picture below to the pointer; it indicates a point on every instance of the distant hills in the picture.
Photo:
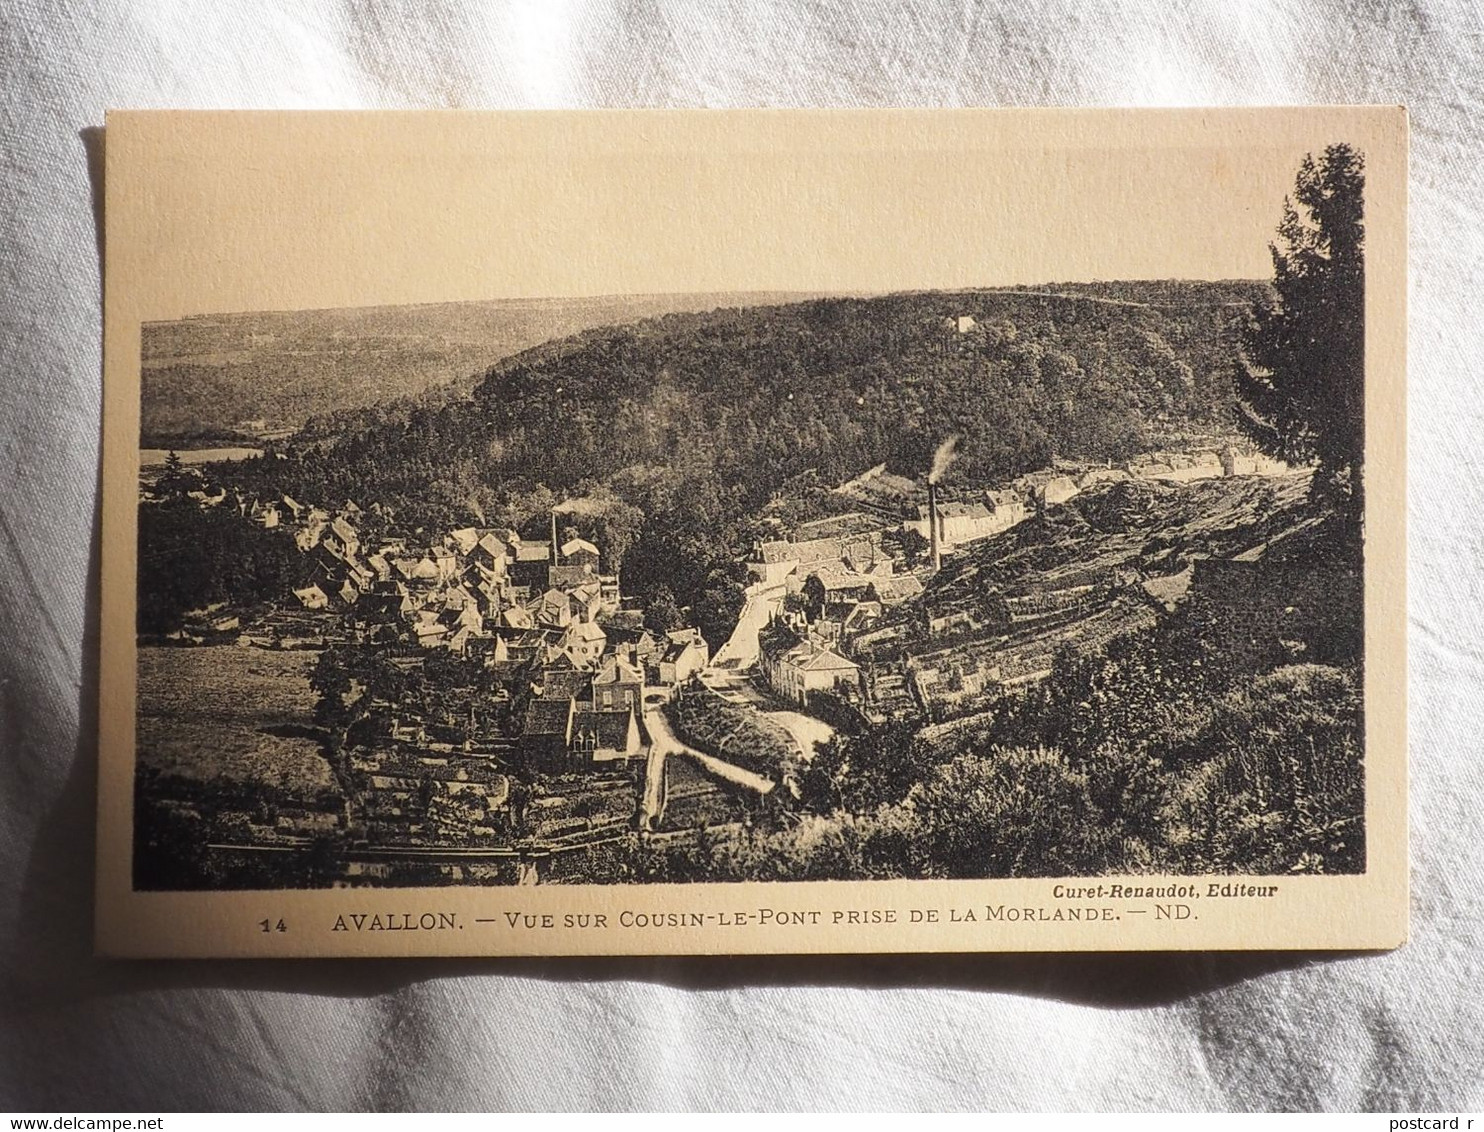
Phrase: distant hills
(685, 425)
(239, 377)
(836, 385)
(731, 401)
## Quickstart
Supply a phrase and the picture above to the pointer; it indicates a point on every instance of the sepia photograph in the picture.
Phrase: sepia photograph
(666, 558)
(1047, 576)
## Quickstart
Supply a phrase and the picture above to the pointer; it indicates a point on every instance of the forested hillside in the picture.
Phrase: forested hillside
(682, 425)
(204, 378)
(748, 397)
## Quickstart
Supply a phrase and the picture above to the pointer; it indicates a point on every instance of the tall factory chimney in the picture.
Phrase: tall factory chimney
(554, 552)
(933, 526)
(942, 458)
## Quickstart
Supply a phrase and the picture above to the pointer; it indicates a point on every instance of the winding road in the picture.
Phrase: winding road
(806, 730)
(741, 649)
(663, 745)
(725, 677)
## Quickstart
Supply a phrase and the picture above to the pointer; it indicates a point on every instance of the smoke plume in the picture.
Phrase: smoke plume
(942, 458)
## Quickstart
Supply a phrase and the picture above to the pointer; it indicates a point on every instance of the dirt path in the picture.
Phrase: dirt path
(806, 730)
(741, 649)
(666, 744)
(652, 801)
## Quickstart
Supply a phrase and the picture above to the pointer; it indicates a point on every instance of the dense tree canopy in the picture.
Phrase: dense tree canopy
(675, 430)
(1301, 377)
(191, 558)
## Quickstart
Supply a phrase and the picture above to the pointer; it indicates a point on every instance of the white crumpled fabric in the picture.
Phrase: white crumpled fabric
(1396, 1031)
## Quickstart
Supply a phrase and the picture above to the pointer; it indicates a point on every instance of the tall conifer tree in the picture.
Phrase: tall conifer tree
(1301, 373)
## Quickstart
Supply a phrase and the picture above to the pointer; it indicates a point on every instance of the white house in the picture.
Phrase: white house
(584, 642)
(681, 660)
(795, 667)
(312, 597)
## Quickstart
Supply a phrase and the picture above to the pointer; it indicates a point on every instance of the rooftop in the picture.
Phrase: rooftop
(610, 729)
(549, 717)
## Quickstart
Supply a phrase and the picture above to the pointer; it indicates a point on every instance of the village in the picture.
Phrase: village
(846, 626)
(542, 747)
(549, 726)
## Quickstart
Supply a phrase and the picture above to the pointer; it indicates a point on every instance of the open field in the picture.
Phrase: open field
(229, 716)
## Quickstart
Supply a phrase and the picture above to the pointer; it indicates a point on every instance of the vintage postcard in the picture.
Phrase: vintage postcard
(726, 532)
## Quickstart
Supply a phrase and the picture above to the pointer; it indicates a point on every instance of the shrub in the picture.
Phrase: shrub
(1281, 784)
(1012, 812)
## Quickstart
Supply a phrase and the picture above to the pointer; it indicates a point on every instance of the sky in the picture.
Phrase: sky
(278, 212)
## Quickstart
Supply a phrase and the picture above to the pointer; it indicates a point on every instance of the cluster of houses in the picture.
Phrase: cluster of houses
(962, 650)
(835, 587)
(543, 612)
(480, 591)
(840, 585)
(583, 713)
